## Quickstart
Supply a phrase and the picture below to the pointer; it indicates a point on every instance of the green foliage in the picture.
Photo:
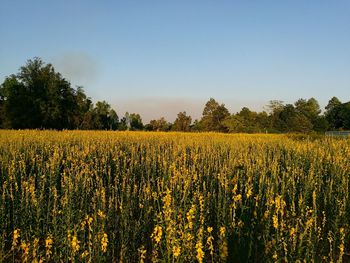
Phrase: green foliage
(158, 125)
(38, 97)
(135, 122)
(338, 114)
(213, 117)
(247, 121)
(182, 122)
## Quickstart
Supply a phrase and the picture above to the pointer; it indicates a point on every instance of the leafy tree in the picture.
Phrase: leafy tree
(240, 122)
(124, 123)
(15, 104)
(310, 109)
(303, 116)
(158, 125)
(196, 126)
(135, 122)
(39, 97)
(263, 122)
(83, 111)
(275, 107)
(113, 120)
(213, 116)
(332, 104)
(234, 123)
(182, 122)
(344, 116)
(332, 113)
(291, 120)
(104, 117)
(101, 115)
(321, 124)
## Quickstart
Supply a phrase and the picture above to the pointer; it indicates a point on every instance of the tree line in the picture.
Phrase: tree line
(38, 97)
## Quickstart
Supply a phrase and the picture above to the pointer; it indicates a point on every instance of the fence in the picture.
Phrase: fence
(342, 134)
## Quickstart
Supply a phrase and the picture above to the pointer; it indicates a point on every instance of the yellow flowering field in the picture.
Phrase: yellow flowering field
(172, 197)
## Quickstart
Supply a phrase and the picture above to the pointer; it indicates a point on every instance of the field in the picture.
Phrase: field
(172, 197)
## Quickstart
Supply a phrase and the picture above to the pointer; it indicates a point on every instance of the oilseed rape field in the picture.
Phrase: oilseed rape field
(83, 196)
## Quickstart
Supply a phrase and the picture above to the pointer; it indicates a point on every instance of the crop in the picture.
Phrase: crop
(172, 197)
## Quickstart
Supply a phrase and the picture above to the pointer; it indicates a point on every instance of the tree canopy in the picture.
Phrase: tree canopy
(214, 115)
(38, 97)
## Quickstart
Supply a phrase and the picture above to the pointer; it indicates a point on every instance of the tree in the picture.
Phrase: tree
(113, 120)
(332, 104)
(213, 116)
(104, 117)
(234, 123)
(182, 122)
(124, 123)
(135, 122)
(101, 115)
(158, 125)
(196, 126)
(39, 97)
(15, 105)
(83, 117)
(275, 107)
(321, 124)
(343, 116)
(332, 113)
(292, 120)
(310, 108)
(243, 121)
(263, 122)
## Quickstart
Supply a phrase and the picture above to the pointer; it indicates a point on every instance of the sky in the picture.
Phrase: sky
(158, 58)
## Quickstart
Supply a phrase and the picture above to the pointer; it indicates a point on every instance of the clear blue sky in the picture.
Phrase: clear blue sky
(161, 57)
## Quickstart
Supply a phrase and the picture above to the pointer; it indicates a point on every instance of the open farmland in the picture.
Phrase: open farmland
(172, 197)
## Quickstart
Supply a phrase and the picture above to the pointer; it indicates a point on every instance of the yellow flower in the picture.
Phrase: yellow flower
(75, 244)
(142, 252)
(85, 254)
(16, 235)
(167, 198)
(238, 198)
(104, 243)
(35, 247)
(25, 247)
(292, 231)
(200, 252)
(157, 234)
(223, 250)
(48, 242)
(222, 231)
(190, 216)
(275, 221)
(189, 237)
(210, 244)
(176, 251)
(101, 214)
(249, 193)
(48, 246)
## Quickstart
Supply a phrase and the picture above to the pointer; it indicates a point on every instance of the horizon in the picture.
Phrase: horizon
(158, 58)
